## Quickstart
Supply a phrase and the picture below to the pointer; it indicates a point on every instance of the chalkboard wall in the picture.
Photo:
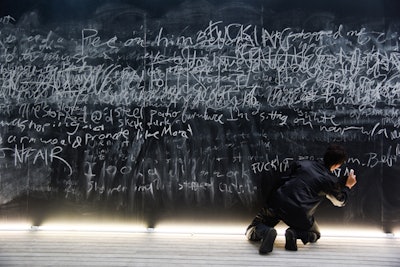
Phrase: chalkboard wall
(184, 109)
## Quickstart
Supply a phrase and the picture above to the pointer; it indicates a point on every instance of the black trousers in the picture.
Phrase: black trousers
(267, 219)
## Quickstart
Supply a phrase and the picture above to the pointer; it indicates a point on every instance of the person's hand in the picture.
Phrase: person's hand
(351, 179)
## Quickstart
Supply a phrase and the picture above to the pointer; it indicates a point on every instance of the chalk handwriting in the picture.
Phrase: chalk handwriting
(199, 112)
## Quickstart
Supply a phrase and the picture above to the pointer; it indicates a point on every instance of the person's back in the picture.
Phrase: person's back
(306, 186)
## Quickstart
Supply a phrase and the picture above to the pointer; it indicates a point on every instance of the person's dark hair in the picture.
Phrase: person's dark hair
(335, 154)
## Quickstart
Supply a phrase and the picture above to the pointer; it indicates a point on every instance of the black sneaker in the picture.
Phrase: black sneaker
(310, 237)
(291, 241)
(267, 243)
(313, 237)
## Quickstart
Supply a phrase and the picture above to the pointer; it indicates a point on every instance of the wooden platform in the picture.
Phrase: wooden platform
(91, 248)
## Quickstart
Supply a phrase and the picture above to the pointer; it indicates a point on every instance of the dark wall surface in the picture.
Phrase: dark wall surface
(183, 109)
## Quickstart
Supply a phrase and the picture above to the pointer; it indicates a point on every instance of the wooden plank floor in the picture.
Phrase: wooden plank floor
(74, 248)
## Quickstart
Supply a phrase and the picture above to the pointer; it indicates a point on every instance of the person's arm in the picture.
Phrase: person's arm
(339, 195)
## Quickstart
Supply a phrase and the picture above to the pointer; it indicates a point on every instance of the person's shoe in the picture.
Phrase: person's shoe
(309, 237)
(291, 240)
(267, 243)
(313, 237)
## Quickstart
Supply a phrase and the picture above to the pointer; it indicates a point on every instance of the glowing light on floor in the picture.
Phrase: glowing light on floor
(15, 226)
(188, 228)
(354, 232)
(92, 227)
(199, 229)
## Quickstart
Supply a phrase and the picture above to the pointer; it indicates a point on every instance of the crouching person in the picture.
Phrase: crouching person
(294, 202)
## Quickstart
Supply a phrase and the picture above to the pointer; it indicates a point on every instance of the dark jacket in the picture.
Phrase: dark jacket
(307, 184)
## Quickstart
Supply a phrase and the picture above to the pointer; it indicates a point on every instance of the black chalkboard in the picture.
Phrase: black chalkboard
(148, 110)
